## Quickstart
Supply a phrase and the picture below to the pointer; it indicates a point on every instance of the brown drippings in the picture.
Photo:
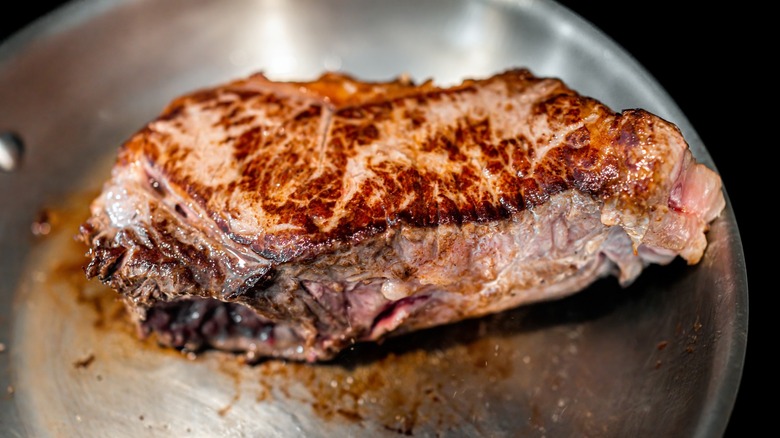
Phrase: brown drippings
(229, 368)
(536, 417)
(43, 223)
(401, 388)
(225, 409)
(85, 361)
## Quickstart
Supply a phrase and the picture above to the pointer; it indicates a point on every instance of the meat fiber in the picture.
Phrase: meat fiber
(293, 219)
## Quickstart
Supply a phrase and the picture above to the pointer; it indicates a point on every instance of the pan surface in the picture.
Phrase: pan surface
(661, 358)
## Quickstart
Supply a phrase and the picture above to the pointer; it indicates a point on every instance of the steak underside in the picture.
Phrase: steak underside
(294, 219)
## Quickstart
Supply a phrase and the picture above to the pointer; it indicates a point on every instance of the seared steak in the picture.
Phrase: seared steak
(294, 219)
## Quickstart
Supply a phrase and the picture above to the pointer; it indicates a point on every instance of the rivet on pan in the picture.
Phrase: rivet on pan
(11, 148)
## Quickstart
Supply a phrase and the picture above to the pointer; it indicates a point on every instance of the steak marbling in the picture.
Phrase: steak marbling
(293, 219)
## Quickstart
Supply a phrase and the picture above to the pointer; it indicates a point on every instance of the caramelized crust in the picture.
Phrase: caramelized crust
(289, 167)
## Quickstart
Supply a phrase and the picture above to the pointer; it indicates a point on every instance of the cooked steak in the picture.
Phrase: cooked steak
(293, 219)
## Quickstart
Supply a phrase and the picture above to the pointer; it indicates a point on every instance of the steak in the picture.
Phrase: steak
(294, 219)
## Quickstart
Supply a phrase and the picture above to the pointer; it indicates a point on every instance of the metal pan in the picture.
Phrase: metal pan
(661, 358)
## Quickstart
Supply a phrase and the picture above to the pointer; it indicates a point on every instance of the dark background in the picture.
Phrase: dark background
(709, 60)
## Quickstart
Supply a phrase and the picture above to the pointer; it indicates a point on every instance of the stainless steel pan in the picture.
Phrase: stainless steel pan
(662, 358)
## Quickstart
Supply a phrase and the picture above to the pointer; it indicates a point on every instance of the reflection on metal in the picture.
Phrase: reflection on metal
(10, 151)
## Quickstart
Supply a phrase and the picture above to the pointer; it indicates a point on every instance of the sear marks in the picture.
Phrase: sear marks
(338, 159)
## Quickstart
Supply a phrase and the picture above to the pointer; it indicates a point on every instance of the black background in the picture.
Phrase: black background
(709, 60)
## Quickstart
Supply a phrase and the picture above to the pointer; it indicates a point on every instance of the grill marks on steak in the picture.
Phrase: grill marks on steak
(339, 211)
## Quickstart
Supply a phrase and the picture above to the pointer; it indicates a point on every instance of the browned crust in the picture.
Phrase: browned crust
(490, 173)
